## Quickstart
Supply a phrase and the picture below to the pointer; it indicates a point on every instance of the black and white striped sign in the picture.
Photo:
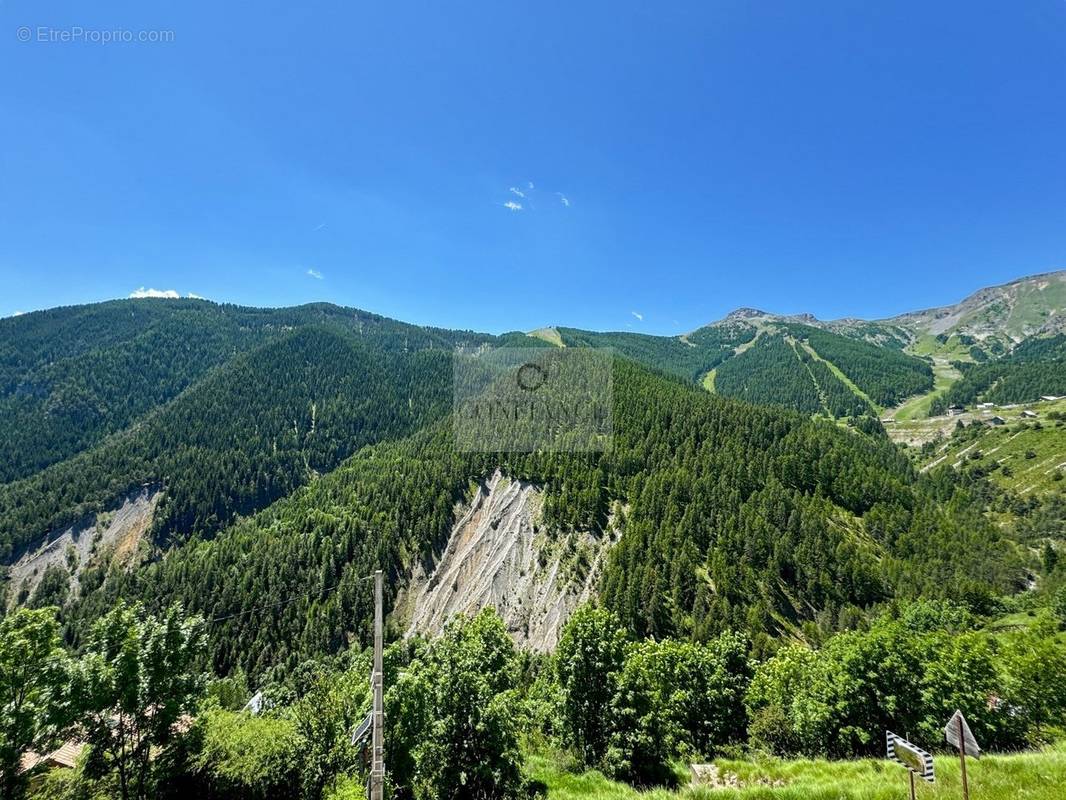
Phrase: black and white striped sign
(911, 756)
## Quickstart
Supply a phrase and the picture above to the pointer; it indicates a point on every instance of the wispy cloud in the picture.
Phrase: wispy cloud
(319, 226)
(171, 294)
(194, 296)
(531, 184)
(638, 315)
(314, 273)
(564, 199)
(517, 191)
(17, 313)
(511, 204)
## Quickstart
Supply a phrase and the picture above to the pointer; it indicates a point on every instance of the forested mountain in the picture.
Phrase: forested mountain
(689, 357)
(849, 367)
(734, 516)
(763, 359)
(70, 376)
(1036, 367)
(247, 435)
(227, 410)
(742, 559)
(311, 386)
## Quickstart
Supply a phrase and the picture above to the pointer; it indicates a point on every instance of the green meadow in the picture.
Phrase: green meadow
(1039, 775)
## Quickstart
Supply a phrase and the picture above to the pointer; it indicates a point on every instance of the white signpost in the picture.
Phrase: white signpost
(958, 735)
(915, 759)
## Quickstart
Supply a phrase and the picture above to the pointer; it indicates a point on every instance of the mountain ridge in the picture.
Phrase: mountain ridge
(986, 325)
(915, 319)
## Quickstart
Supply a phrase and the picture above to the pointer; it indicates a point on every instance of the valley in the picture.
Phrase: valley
(533, 401)
(783, 501)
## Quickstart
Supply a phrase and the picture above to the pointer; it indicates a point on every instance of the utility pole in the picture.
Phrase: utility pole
(377, 763)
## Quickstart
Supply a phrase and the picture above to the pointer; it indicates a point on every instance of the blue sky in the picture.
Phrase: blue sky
(832, 157)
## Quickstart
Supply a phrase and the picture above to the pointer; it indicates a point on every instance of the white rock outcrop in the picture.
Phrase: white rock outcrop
(111, 535)
(499, 554)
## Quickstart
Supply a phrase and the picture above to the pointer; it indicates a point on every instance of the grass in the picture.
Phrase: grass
(917, 431)
(951, 350)
(840, 376)
(707, 381)
(1033, 457)
(1039, 775)
(550, 335)
(917, 407)
(1018, 621)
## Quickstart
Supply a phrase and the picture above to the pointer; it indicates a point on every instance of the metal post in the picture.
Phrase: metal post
(912, 784)
(377, 764)
(962, 762)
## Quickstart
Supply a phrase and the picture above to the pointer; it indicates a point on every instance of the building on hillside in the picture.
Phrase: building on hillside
(997, 420)
(986, 405)
(1030, 414)
(1049, 397)
(954, 411)
(65, 756)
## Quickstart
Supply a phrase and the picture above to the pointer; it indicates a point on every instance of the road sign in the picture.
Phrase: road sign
(910, 755)
(957, 732)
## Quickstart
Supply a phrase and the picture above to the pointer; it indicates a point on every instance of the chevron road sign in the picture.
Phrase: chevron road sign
(911, 756)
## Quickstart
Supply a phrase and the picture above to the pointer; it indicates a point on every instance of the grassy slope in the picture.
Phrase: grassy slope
(839, 374)
(1035, 306)
(817, 386)
(550, 335)
(1025, 776)
(944, 375)
(1009, 447)
(917, 407)
(708, 380)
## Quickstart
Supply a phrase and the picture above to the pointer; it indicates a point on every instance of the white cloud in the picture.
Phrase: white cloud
(638, 315)
(170, 294)
(517, 191)
(17, 313)
(320, 226)
(192, 296)
(564, 199)
(531, 184)
(511, 204)
(314, 273)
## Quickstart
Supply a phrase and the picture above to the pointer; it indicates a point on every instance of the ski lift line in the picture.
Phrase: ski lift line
(284, 602)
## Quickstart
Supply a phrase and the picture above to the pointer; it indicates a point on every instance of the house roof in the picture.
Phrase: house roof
(65, 756)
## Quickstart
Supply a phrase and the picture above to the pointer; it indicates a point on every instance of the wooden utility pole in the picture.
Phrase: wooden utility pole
(913, 796)
(962, 759)
(377, 763)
